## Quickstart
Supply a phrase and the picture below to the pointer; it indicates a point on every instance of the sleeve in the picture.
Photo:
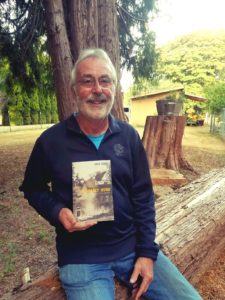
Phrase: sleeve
(144, 204)
(36, 186)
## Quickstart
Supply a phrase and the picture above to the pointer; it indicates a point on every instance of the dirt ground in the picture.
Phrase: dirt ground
(27, 240)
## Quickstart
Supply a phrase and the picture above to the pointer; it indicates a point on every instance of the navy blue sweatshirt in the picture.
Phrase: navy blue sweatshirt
(48, 187)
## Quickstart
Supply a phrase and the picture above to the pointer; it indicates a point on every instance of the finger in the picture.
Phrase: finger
(70, 216)
(134, 293)
(71, 219)
(134, 275)
(143, 288)
(70, 222)
(67, 218)
(84, 225)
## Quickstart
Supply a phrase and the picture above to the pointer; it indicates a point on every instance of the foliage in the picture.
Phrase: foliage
(22, 29)
(25, 67)
(215, 94)
(33, 105)
(194, 60)
(142, 86)
(193, 107)
(137, 53)
(194, 111)
(137, 43)
(146, 86)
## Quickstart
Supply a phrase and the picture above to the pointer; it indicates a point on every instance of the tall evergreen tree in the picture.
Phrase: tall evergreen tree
(72, 26)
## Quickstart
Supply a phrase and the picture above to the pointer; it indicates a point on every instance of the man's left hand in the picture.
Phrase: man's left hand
(143, 268)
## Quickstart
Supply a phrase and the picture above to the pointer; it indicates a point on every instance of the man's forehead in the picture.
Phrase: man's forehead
(91, 65)
(85, 74)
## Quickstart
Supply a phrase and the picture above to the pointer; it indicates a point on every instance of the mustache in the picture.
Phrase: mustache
(96, 98)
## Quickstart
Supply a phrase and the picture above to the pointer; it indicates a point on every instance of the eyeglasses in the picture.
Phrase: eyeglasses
(90, 82)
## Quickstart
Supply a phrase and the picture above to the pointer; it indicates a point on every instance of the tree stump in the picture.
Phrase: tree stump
(162, 140)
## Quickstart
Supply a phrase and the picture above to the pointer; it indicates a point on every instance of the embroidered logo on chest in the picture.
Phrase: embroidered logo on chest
(118, 149)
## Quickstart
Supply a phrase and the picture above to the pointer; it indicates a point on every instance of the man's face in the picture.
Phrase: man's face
(95, 89)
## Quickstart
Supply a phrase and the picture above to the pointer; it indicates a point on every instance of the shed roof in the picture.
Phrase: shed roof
(157, 93)
(195, 98)
(161, 93)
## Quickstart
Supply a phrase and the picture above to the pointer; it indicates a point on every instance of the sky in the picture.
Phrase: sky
(180, 17)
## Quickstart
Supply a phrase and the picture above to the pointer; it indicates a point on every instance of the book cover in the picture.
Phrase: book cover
(92, 190)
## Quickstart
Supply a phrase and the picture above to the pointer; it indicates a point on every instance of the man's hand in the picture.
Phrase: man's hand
(69, 222)
(143, 269)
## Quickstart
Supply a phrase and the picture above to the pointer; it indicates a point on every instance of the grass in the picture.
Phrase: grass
(202, 149)
(8, 256)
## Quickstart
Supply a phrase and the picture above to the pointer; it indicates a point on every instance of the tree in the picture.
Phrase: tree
(28, 77)
(215, 94)
(4, 67)
(23, 98)
(74, 25)
(81, 24)
(194, 60)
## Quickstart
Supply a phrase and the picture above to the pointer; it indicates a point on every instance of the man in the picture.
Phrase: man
(90, 253)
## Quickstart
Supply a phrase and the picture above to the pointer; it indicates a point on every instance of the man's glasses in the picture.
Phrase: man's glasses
(89, 81)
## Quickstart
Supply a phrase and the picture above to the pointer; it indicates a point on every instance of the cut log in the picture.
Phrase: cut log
(162, 140)
(191, 226)
(48, 287)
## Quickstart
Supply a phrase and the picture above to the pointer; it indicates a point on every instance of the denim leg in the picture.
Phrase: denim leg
(169, 283)
(123, 268)
(87, 281)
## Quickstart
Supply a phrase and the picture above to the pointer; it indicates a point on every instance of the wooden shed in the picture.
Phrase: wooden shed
(145, 105)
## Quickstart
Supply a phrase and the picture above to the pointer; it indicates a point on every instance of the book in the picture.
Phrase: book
(92, 190)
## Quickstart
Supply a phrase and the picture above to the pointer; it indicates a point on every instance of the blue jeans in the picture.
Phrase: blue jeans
(95, 281)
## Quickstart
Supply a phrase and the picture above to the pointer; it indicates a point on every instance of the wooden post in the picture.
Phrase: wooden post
(162, 140)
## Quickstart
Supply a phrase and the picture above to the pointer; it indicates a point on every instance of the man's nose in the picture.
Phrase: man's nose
(97, 88)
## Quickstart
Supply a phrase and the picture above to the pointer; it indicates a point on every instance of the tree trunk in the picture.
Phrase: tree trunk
(191, 225)
(108, 39)
(5, 113)
(162, 140)
(82, 23)
(76, 25)
(60, 55)
(94, 24)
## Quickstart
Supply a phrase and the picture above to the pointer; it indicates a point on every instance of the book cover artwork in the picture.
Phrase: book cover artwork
(92, 190)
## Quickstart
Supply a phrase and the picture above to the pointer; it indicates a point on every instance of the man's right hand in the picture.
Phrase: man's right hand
(69, 222)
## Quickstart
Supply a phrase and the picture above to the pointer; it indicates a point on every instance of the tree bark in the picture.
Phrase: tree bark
(162, 140)
(191, 224)
(61, 56)
(108, 39)
(76, 25)
(5, 113)
(82, 20)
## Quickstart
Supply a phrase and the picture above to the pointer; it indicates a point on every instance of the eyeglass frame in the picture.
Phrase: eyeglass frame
(89, 81)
